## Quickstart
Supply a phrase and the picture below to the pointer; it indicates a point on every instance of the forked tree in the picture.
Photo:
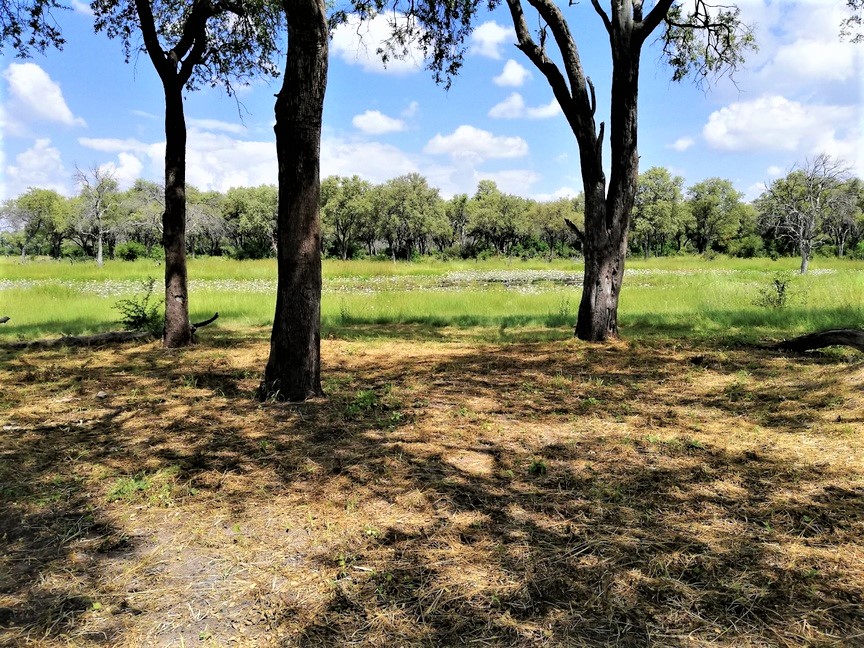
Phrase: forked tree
(212, 42)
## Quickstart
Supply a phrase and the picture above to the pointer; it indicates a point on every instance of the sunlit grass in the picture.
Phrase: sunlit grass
(684, 296)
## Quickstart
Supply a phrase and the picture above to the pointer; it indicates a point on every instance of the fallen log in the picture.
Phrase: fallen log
(3, 320)
(99, 339)
(833, 337)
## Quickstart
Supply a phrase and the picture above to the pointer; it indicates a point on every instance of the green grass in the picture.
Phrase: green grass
(678, 296)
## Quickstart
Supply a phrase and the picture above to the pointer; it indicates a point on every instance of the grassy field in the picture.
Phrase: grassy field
(474, 477)
(680, 296)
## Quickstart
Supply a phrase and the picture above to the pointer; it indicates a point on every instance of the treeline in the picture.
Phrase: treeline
(404, 218)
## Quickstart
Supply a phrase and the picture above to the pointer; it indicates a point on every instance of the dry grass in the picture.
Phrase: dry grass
(446, 493)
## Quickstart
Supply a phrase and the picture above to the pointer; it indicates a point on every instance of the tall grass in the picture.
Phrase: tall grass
(684, 296)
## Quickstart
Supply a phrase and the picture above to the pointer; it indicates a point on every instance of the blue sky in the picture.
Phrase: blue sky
(800, 95)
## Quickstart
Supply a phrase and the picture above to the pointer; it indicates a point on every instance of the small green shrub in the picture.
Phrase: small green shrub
(130, 251)
(776, 294)
(142, 312)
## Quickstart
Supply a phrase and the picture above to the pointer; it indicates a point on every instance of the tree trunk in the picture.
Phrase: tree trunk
(177, 332)
(293, 370)
(607, 217)
(805, 263)
(99, 260)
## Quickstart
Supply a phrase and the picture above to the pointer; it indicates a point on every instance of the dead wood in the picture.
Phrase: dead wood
(3, 320)
(833, 337)
(195, 327)
(99, 339)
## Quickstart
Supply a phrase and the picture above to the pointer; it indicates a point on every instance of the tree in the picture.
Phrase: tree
(715, 216)
(293, 370)
(99, 201)
(29, 25)
(345, 208)
(41, 216)
(250, 219)
(843, 221)
(796, 206)
(707, 40)
(409, 210)
(497, 219)
(550, 220)
(659, 214)
(207, 41)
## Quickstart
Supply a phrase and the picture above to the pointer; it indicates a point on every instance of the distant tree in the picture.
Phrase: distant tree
(409, 211)
(345, 209)
(844, 221)
(714, 208)
(41, 217)
(796, 206)
(142, 206)
(189, 44)
(207, 228)
(497, 219)
(99, 202)
(250, 220)
(457, 213)
(550, 220)
(659, 213)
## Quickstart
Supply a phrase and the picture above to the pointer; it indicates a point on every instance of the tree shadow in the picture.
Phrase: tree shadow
(513, 494)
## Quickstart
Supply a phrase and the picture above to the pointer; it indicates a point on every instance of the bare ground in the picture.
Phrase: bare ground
(446, 493)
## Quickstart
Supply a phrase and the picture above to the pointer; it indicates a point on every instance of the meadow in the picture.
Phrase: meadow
(473, 476)
(679, 296)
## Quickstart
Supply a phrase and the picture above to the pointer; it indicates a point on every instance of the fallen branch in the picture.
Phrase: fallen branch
(3, 320)
(195, 327)
(834, 337)
(99, 339)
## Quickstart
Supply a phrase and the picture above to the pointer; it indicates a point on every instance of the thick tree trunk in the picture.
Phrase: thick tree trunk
(293, 370)
(177, 332)
(805, 263)
(99, 259)
(607, 217)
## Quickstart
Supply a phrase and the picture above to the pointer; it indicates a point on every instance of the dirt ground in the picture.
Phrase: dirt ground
(445, 493)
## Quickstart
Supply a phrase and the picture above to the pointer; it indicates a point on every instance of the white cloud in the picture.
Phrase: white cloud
(374, 122)
(561, 192)
(217, 125)
(774, 171)
(39, 166)
(773, 122)
(489, 38)
(473, 144)
(513, 107)
(412, 109)
(513, 75)
(112, 145)
(34, 97)
(357, 42)
(373, 161)
(682, 144)
(512, 181)
(144, 114)
(125, 171)
(82, 8)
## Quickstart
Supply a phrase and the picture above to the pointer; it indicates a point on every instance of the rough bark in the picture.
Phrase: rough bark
(293, 370)
(833, 337)
(177, 332)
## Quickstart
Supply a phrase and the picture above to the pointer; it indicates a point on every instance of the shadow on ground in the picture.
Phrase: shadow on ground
(443, 494)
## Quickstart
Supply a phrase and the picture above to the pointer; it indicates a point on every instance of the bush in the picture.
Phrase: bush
(776, 294)
(130, 251)
(143, 312)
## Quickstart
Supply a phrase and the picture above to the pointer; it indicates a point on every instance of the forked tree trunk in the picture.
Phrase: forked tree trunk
(607, 214)
(177, 332)
(293, 370)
